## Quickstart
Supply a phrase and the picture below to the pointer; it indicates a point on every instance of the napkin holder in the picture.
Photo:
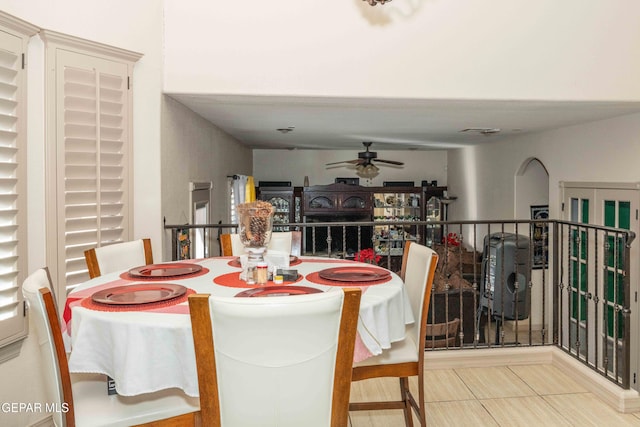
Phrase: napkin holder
(276, 260)
(288, 275)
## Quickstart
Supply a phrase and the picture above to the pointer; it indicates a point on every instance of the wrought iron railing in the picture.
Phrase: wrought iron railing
(498, 283)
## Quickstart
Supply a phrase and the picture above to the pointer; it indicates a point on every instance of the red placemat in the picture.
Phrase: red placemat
(127, 276)
(315, 278)
(88, 303)
(232, 280)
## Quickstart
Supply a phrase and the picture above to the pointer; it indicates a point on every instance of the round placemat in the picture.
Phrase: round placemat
(127, 276)
(90, 304)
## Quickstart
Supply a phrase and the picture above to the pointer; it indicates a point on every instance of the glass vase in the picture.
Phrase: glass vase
(255, 224)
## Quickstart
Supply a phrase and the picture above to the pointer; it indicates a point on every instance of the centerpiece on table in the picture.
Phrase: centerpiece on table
(255, 224)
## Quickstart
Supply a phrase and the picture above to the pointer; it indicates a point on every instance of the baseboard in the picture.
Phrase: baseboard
(622, 400)
(625, 401)
(485, 357)
(44, 422)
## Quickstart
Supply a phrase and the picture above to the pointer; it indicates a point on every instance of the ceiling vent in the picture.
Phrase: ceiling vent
(483, 131)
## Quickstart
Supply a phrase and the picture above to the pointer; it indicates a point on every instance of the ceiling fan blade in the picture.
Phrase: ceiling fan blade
(343, 161)
(391, 162)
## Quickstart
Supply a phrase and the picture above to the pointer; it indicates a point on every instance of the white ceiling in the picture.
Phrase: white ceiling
(392, 124)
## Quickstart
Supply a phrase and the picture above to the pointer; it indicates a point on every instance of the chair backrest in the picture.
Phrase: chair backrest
(286, 241)
(418, 269)
(119, 256)
(42, 312)
(230, 244)
(280, 241)
(283, 361)
(296, 243)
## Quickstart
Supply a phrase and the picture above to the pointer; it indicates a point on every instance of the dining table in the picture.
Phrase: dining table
(145, 344)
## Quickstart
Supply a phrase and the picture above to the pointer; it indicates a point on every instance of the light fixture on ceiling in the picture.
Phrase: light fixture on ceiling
(286, 130)
(482, 131)
(364, 163)
(367, 171)
(374, 2)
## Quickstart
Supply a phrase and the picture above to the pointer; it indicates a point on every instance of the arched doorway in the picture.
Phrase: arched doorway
(531, 187)
(532, 195)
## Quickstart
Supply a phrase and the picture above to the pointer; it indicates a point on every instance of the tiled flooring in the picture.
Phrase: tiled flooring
(534, 395)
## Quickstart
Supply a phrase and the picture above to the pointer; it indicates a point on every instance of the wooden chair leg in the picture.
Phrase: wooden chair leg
(422, 406)
(405, 396)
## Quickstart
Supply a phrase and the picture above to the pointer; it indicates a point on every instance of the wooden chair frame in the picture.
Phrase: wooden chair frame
(442, 334)
(226, 248)
(94, 267)
(402, 370)
(206, 364)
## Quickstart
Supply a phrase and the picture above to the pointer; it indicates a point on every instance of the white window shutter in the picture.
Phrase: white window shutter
(91, 121)
(14, 35)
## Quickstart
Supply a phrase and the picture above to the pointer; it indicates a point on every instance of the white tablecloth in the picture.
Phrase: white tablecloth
(146, 351)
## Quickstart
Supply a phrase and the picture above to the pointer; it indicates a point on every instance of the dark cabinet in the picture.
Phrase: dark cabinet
(336, 199)
(400, 205)
(406, 206)
(434, 210)
(283, 200)
(320, 202)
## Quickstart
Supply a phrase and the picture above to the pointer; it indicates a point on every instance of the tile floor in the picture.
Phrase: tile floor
(534, 395)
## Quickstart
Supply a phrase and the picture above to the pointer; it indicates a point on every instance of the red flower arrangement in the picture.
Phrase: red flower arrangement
(452, 239)
(368, 256)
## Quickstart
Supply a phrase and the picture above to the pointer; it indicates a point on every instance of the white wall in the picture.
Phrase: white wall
(194, 150)
(604, 151)
(464, 49)
(294, 165)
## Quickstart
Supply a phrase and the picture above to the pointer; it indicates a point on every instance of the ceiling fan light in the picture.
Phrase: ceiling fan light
(367, 171)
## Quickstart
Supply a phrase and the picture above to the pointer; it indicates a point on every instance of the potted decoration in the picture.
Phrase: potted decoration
(368, 256)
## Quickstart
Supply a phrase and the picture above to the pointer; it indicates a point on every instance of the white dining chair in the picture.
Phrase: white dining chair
(280, 241)
(118, 256)
(84, 396)
(286, 241)
(405, 358)
(278, 361)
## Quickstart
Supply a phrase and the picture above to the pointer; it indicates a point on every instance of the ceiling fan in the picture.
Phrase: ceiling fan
(366, 157)
(364, 166)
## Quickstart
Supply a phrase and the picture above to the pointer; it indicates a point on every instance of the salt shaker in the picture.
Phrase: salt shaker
(261, 273)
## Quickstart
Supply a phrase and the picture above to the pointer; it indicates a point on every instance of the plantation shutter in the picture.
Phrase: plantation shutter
(13, 259)
(92, 156)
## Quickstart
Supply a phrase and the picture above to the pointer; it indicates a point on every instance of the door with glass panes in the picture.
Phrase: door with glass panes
(594, 274)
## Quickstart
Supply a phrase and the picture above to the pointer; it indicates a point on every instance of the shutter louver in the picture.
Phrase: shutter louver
(95, 158)
(11, 317)
(112, 132)
(80, 169)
